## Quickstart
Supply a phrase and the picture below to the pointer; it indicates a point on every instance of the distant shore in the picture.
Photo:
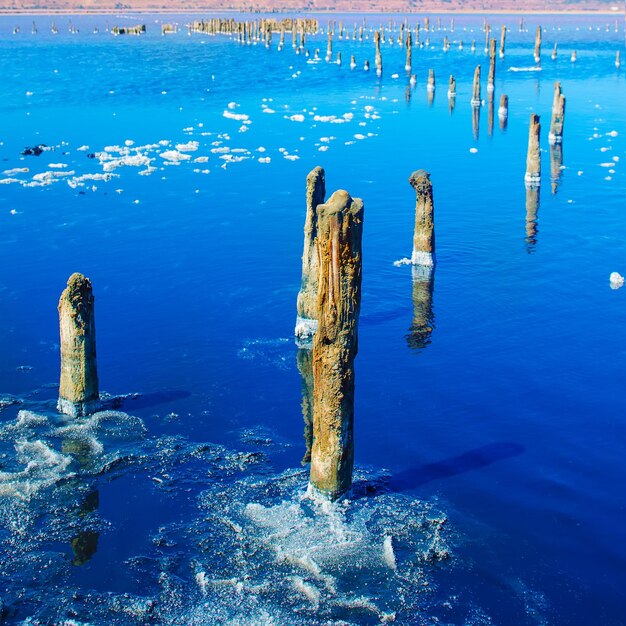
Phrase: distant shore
(187, 11)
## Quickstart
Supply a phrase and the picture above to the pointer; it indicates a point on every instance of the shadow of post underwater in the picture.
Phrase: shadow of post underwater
(474, 459)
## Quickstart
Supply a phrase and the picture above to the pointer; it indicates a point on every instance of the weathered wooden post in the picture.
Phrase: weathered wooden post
(306, 320)
(538, 45)
(340, 228)
(379, 58)
(491, 77)
(424, 233)
(533, 158)
(502, 41)
(476, 88)
(558, 116)
(78, 388)
(409, 52)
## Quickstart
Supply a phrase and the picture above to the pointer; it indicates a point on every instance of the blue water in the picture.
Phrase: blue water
(506, 420)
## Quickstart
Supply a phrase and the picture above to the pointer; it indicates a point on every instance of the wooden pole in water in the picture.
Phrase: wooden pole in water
(409, 52)
(538, 45)
(476, 88)
(306, 321)
(340, 228)
(78, 388)
(424, 232)
(491, 77)
(558, 116)
(533, 158)
(502, 41)
(379, 58)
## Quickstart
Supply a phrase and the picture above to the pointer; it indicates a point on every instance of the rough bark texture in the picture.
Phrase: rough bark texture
(340, 227)
(78, 389)
(558, 115)
(424, 233)
(306, 321)
(502, 41)
(379, 58)
(476, 88)
(533, 158)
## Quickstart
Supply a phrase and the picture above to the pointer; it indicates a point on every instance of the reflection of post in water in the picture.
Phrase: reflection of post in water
(532, 208)
(503, 111)
(85, 544)
(423, 318)
(556, 162)
(476, 121)
(305, 367)
(490, 115)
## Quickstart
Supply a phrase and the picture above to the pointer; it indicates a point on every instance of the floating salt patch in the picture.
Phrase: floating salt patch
(609, 164)
(29, 93)
(191, 146)
(201, 159)
(395, 76)
(291, 157)
(83, 148)
(296, 118)
(135, 201)
(359, 136)
(268, 110)
(261, 149)
(164, 142)
(16, 170)
(129, 142)
(401, 262)
(612, 133)
(243, 129)
(323, 148)
(580, 172)
(616, 159)
(616, 280)
(236, 116)
(9, 181)
(524, 69)
(220, 150)
(473, 150)
(264, 159)
(232, 105)
(608, 178)
(606, 148)
(57, 165)
(389, 556)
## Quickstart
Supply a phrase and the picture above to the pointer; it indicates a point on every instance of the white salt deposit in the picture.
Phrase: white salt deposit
(616, 280)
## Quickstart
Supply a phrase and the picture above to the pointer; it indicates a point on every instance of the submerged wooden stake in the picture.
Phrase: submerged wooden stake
(78, 388)
(340, 228)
